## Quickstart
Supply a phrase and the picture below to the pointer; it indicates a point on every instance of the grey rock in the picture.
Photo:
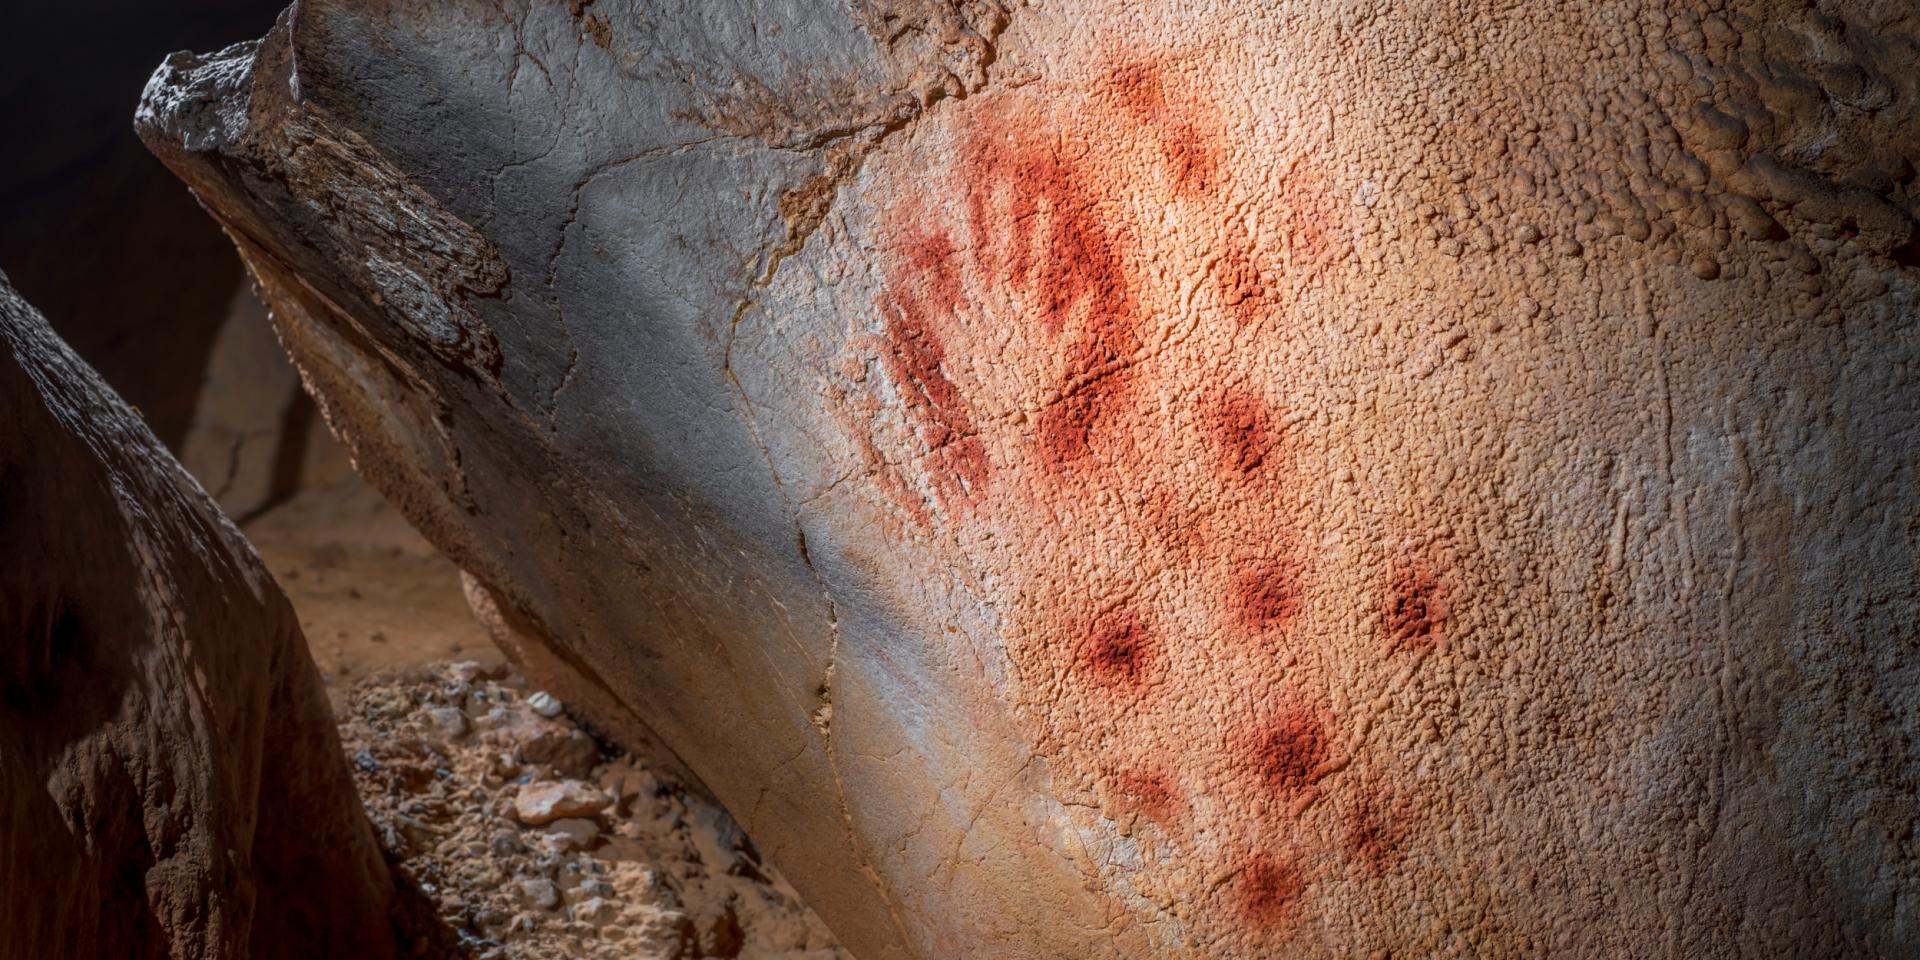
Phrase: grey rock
(544, 704)
(449, 722)
(540, 892)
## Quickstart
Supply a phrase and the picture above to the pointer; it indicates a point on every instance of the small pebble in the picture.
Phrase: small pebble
(540, 892)
(544, 704)
(573, 833)
(473, 671)
(448, 721)
(538, 804)
(387, 702)
(596, 911)
(506, 843)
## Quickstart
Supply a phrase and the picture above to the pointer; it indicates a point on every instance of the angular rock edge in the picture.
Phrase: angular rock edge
(171, 779)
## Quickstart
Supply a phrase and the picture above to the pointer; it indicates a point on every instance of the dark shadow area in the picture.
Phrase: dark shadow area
(111, 247)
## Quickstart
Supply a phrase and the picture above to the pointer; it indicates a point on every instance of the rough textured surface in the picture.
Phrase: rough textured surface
(370, 592)
(443, 752)
(170, 781)
(1173, 480)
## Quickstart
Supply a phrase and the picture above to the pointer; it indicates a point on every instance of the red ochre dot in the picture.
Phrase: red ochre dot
(1118, 650)
(1268, 888)
(1370, 837)
(1415, 610)
(1146, 792)
(1265, 594)
(1290, 751)
(1244, 432)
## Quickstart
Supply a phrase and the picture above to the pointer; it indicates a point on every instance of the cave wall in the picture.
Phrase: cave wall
(1177, 480)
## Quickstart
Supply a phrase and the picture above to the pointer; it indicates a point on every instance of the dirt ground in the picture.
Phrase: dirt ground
(532, 838)
(371, 593)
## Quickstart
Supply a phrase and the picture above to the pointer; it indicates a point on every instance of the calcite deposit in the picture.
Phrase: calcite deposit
(1157, 480)
(171, 784)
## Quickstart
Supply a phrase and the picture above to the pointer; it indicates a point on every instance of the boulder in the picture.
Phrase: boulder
(1157, 480)
(171, 784)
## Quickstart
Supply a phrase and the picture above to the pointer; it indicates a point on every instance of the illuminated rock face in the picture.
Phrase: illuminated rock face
(170, 781)
(1186, 481)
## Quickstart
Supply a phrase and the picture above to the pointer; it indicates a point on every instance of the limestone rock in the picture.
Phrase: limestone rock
(1157, 480)
(544, 802)
(170, 780)
(251, 423)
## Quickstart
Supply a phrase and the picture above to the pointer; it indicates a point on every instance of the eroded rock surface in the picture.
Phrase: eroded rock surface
(1158, 480)
(171, 784)
(447, 754)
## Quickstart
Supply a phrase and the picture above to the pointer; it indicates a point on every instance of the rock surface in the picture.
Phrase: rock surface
(171, 784)
(538, 804)
(659, 874)
(1176, 480)
(250, 442)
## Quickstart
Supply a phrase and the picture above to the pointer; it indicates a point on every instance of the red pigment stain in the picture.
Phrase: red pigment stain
(1243, 431)
(915, 360)
(1243, 284)
(1415, 608)
(1036, 220)
(931, 259)
(1050, 237)
(1370, 838)
(1068, 427)
(1145, 792)
(1191, 153)
(1194, 158)
(1267, 888)
(1265, 594)
(1118, 651)
(1290, 751)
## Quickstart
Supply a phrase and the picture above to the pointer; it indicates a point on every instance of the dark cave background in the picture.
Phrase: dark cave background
(98, 235)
